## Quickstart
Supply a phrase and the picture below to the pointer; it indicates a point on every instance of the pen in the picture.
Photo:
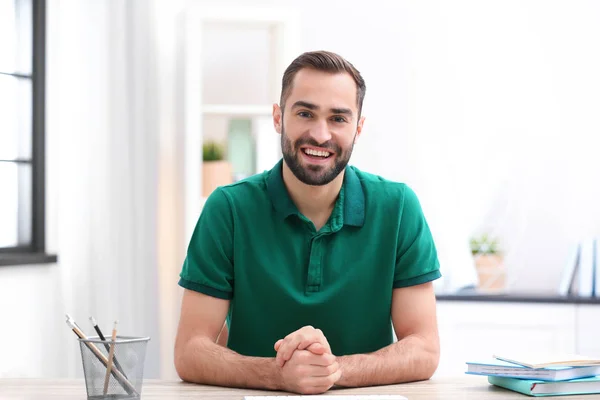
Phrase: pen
(111, 354)
(116, 373)
(101, 336)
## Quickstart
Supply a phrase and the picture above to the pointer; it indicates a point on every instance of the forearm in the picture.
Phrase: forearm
(203, 361)
(411, 359)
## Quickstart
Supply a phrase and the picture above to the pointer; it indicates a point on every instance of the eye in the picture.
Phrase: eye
(339, 119)
(304, 114)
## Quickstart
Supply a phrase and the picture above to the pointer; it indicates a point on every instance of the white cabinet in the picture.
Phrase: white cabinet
(476, 330)
(588, 329)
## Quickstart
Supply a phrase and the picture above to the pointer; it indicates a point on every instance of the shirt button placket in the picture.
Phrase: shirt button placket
(313, 282)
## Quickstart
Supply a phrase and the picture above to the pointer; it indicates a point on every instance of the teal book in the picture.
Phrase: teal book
(544, 388)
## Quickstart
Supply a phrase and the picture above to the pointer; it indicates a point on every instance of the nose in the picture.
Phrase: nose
(320, 131)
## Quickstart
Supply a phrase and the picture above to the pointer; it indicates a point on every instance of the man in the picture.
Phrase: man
(313, 262)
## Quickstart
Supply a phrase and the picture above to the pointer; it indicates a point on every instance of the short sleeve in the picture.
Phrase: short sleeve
(208, 266)
(416, 257)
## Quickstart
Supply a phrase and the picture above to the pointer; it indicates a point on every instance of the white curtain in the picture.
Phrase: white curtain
(102, 156)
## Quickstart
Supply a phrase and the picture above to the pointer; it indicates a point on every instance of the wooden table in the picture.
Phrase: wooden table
(467, 387)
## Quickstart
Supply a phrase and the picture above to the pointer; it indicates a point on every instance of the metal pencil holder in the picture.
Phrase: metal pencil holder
(125, 369)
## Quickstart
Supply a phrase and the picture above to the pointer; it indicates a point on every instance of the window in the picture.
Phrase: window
(22, 191)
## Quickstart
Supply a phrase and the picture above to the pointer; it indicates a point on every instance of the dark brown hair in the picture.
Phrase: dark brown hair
(324, 61)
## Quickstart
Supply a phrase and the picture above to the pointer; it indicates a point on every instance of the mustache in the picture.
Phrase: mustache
(329, 145)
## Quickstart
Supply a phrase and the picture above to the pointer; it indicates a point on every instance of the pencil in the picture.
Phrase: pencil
(101, 336)
(101, 357)
(111, 355)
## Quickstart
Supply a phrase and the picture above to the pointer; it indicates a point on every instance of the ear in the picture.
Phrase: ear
(277, 118)
(359, 127)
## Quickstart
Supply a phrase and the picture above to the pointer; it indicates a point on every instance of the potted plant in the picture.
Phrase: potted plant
(216, 170)
(489, 262)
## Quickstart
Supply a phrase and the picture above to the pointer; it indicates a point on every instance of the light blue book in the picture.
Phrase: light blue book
(537, 388)
(496, 367)
(586, 269)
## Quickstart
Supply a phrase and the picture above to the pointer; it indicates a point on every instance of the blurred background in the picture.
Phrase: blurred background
(118, 118)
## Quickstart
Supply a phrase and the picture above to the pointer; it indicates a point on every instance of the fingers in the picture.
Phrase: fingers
(299, 340)
(317, 337)
(330, 380)
(320, 384)
(308, 373)
(290, 344)
(278, 344)
(306, 357)
(326, 380)
(320, 371)
(317, 348)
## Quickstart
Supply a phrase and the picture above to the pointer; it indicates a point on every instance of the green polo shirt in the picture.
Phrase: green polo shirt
(252, 246)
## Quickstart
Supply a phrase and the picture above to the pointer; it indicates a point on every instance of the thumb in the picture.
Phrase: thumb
(317, 349)
(277, 344)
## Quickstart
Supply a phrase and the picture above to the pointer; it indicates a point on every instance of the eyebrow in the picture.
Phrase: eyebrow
(311, 106)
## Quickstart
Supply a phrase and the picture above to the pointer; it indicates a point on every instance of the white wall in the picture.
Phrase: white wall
(485, 108)
(30, 307)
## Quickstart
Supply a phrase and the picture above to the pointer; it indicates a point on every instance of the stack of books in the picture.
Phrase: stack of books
(541, 376)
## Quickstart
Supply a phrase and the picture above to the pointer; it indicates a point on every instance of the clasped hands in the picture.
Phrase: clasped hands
(306, 361)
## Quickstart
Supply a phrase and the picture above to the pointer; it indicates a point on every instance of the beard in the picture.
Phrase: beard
(314, 175)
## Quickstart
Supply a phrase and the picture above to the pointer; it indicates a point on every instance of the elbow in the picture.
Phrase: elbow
(185, 376)
(184, 371)
(433, 356)
(182, 363)
(431, 363)
(424, 369)
(428, 360)
(186, 360)
(180, 366)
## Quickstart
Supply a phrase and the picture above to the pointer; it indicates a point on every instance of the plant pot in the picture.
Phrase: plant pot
(490, 272)
(215, 174)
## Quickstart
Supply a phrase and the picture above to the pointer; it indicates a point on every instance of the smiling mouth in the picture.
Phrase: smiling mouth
(322, 154)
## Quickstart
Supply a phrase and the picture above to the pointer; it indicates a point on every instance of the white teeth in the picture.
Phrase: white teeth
(316, 153)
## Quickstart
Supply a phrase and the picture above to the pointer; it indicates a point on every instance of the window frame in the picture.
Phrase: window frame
(35, 252)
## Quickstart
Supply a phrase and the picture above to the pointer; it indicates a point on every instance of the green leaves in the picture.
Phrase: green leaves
(484, 244)
(212, 151)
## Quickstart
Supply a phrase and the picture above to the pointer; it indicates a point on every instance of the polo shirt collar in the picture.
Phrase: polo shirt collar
(278, 193)
(354, 199)
(353, 196)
